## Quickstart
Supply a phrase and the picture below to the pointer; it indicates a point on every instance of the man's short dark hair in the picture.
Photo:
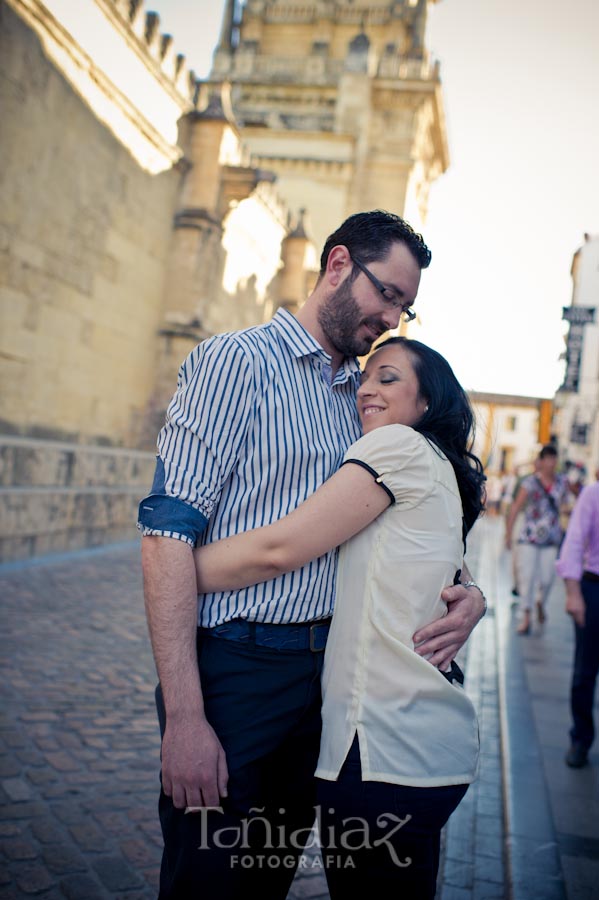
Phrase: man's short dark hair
(548, 450)
(370, 235)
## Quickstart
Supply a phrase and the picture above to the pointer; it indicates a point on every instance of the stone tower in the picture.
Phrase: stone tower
(340, 99)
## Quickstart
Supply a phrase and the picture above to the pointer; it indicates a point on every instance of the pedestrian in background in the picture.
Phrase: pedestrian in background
(541, 497)
(578, 565)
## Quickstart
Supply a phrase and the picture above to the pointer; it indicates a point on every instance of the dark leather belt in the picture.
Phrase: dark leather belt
(590, 576)
(298, 636)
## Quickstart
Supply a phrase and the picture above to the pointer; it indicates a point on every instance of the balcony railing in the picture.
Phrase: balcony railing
(322, 70)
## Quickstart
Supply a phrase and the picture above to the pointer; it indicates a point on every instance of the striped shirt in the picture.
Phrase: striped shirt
(254, 428)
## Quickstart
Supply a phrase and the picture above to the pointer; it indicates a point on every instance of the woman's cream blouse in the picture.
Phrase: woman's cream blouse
(413, 726)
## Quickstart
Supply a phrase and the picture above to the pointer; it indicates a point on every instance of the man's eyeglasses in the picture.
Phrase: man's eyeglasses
(407, 313)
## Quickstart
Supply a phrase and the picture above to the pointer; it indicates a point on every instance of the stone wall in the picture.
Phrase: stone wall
(58, 496)
(84, 236)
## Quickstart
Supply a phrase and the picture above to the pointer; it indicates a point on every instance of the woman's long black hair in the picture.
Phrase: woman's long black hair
(448, 422)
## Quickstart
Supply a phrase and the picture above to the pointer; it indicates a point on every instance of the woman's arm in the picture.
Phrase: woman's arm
(340, 508)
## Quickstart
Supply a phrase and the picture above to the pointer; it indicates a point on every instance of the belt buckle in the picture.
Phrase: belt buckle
(313, 647)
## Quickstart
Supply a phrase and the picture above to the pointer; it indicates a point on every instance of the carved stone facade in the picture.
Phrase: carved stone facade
(341, 100)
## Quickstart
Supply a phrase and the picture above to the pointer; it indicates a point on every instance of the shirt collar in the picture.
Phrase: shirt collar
(301, 343)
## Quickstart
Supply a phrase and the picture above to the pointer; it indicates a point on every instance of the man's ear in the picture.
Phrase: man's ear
(339, 264)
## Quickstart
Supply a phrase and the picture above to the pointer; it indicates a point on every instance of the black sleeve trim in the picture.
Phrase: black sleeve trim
(378, 478)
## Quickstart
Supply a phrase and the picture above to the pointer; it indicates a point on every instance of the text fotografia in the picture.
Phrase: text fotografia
(256, 830)
(264, 861)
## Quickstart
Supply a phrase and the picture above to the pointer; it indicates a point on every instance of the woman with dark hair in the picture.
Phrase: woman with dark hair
(400, 739)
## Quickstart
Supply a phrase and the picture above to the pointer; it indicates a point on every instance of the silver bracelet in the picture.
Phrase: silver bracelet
(468, 584)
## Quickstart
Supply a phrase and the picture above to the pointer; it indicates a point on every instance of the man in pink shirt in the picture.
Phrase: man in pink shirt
(578, 564)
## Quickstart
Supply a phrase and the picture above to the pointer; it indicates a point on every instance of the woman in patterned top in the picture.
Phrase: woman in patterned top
(540, 497)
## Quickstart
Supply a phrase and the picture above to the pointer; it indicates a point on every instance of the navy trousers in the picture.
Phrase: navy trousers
(264, 705)
(381, 840)
(586, 667)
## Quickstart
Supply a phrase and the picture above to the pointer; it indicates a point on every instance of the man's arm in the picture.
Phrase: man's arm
(441, 640)
(194, 769)
(198, 447)
(571, 557)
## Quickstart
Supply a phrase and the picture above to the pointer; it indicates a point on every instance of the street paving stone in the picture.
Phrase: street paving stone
(79, 743)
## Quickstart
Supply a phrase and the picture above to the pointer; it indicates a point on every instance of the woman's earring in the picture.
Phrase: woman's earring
(426, 408)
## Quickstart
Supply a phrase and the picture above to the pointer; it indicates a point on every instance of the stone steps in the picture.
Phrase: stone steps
(57, 496)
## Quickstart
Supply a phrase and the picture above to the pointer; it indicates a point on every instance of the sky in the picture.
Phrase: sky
(521, 92)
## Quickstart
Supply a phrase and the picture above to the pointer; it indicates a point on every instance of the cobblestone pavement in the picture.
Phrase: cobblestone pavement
(78, 737)
(79, 745)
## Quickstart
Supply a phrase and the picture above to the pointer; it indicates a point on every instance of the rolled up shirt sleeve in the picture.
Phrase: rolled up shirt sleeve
(165, 516)
(571, 558)
(206, 425)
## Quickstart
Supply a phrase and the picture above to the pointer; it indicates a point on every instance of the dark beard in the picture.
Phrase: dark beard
(340, 317)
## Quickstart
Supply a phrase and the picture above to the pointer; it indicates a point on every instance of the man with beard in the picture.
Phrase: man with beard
(260, 419)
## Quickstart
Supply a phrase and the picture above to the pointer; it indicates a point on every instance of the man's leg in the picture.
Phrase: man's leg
(586, 667)
(255, 699)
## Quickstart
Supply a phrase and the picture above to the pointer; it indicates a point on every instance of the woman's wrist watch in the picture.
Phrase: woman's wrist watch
(468, 584)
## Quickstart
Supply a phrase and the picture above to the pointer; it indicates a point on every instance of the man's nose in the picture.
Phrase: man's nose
(391, 318)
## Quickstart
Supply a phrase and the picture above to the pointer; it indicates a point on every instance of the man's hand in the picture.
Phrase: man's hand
(194, 767)
(441, 640)
(575, 605)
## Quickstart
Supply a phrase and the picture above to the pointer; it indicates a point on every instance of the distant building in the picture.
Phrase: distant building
(576, 422)
(509, 429)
